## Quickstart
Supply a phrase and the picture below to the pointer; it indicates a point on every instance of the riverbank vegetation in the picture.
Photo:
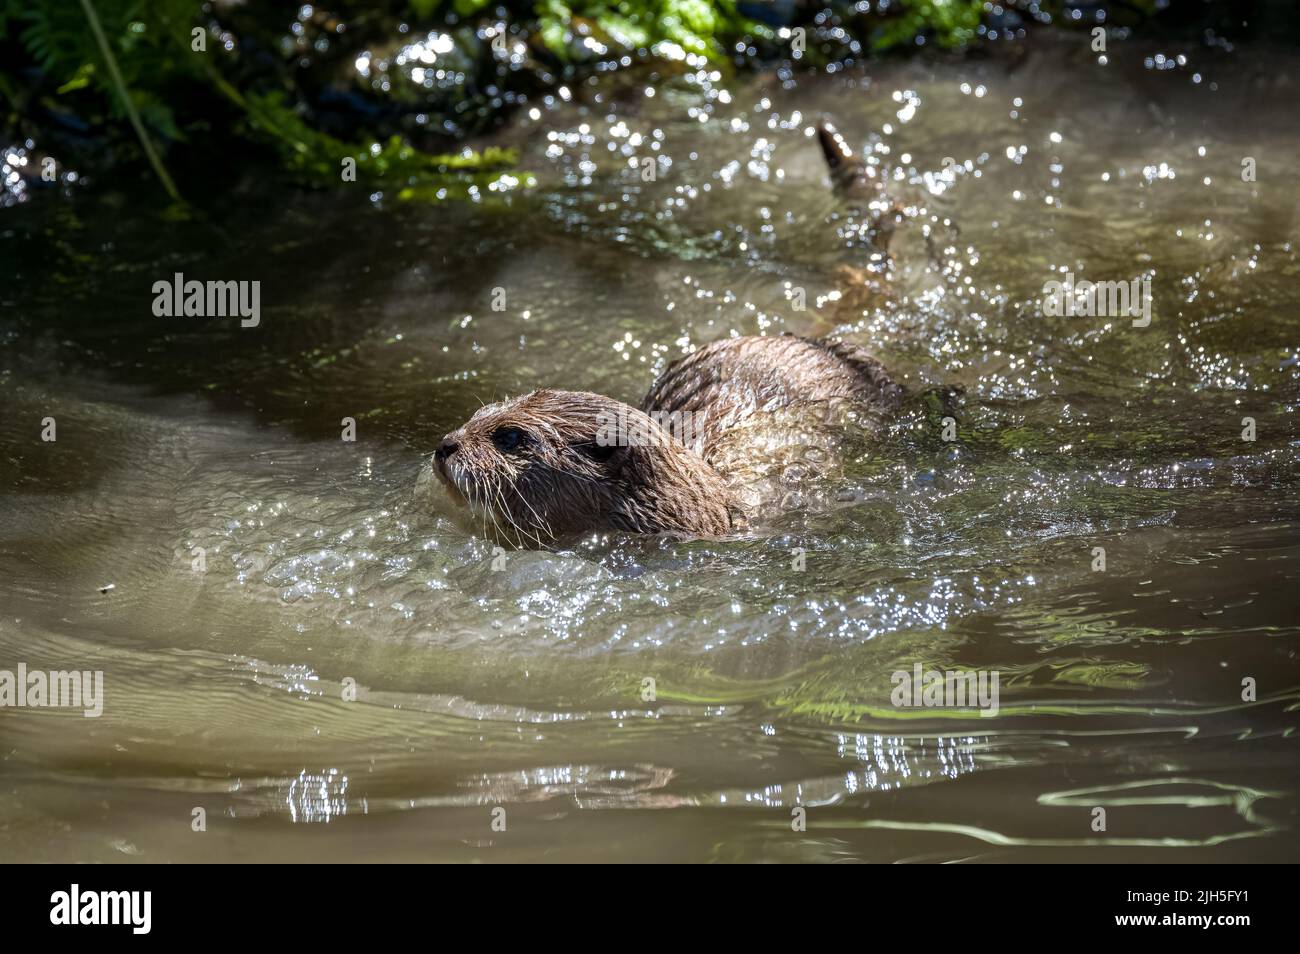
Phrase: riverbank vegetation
(394, 92)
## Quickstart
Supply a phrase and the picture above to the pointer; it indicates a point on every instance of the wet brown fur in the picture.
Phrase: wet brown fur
(728, 382)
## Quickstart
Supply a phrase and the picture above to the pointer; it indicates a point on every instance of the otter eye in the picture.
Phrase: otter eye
(507, 439)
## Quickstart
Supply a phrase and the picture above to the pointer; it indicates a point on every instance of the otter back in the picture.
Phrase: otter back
(763, 409)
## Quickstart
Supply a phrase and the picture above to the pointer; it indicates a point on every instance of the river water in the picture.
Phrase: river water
(200, 532)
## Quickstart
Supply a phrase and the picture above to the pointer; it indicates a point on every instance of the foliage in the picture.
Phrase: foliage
(318, 157)
(52, 64)
(150, 41)
(697, 26)
(951, 22)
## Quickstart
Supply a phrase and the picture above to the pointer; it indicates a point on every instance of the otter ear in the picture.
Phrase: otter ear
(607, 455)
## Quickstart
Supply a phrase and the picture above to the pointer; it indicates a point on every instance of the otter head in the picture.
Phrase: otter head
(553, 464)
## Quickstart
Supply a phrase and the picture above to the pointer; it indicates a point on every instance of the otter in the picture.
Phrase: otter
(555, 464)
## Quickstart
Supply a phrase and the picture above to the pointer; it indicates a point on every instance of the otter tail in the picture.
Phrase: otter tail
(834, 148)
(843, 164)
(850, 176)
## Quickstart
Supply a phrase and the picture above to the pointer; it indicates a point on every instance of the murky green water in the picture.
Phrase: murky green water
(520, 685)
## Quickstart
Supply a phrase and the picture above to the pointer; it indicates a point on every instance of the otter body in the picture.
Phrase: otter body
(554, 464)
(725, 384)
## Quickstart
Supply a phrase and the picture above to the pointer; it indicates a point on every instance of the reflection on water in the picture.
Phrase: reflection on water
(296, 629)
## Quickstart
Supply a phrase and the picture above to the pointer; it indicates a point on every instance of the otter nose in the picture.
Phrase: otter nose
(445, 449)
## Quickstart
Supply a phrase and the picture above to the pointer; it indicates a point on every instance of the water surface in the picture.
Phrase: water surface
(516, 679)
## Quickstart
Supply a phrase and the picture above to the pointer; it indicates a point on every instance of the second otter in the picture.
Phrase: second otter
(554, 464)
